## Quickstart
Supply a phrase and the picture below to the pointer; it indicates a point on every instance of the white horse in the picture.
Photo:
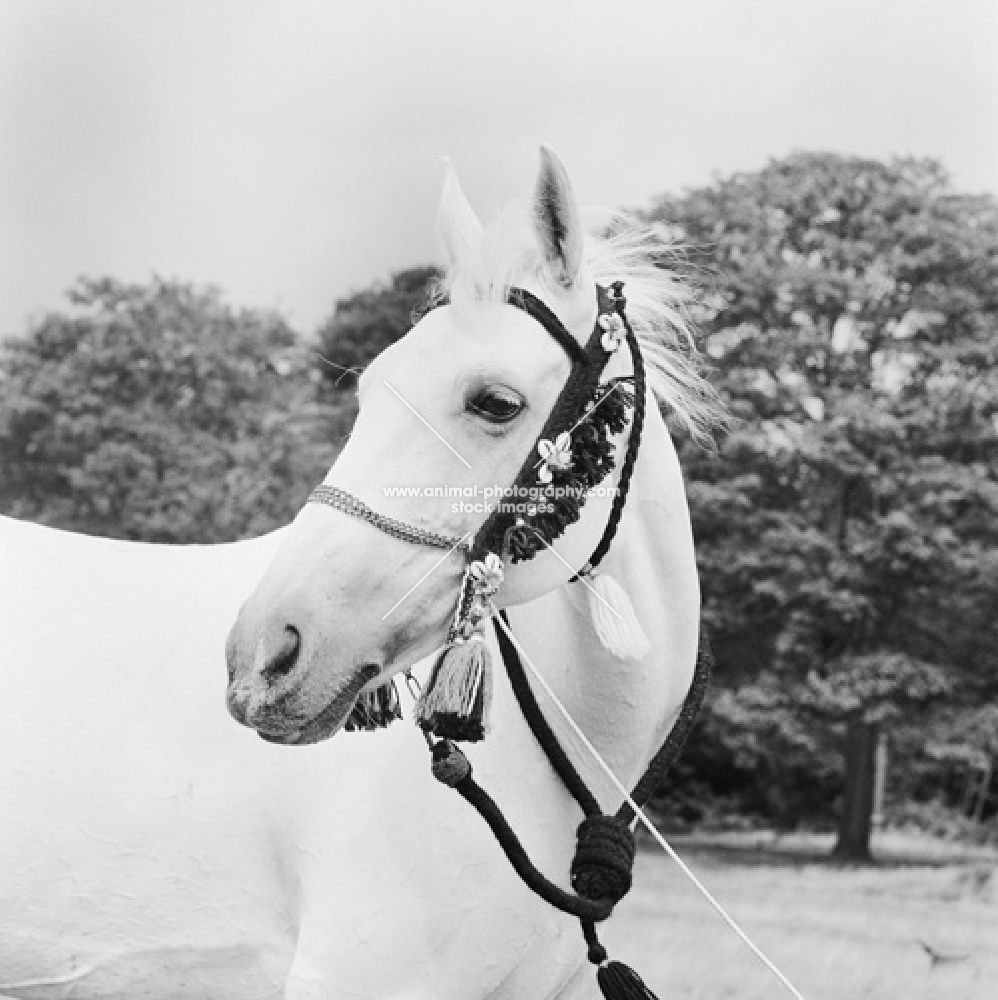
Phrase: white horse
(152, 848)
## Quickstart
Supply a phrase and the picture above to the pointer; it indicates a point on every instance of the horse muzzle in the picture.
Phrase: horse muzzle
(274, 691)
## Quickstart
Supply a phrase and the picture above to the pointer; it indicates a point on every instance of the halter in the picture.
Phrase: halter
(575, 455)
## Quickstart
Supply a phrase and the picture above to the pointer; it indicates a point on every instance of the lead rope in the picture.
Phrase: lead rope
(601, 868)
(604, 856)
(606, 848)
(634, 808)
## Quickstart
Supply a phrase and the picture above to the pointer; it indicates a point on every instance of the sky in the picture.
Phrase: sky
(290, 152)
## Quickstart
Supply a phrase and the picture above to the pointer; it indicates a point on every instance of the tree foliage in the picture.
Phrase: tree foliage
(158, 412)
(364, 324)
(847, 528)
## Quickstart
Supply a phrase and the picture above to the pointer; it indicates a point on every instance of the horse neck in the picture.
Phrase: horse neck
(625, 708)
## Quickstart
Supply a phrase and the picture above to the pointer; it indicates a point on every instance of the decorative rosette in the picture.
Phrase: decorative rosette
(606, 413)
(555, 455)
(487, 574)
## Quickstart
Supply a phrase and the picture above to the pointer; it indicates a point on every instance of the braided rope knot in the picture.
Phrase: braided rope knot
(449, 764)
(604, 858)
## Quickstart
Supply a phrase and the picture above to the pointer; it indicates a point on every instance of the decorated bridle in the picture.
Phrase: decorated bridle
(574, 454)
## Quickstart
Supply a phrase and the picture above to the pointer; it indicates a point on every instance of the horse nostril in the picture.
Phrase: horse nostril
(286, 656)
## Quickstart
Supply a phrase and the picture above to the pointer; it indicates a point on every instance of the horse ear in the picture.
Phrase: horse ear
(556, 218)
(459, 228)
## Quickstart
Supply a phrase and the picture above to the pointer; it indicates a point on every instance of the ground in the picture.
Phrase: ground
(921, 925)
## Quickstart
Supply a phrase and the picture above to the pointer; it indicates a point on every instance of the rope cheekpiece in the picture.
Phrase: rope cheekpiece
(604, 857)
(575, 455)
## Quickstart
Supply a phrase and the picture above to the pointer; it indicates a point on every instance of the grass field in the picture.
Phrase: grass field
(838, 933)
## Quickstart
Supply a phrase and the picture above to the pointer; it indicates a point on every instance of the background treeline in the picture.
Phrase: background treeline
(847, 525)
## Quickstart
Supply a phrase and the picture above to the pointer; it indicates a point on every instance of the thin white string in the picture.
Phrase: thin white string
(639, 812)
(431, 428)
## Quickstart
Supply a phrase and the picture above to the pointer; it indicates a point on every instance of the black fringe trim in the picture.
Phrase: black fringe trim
(593, 412)
(592, 462)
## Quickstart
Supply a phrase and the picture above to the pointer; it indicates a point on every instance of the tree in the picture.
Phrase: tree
(364, 324)
(846, 529)
(158, 412)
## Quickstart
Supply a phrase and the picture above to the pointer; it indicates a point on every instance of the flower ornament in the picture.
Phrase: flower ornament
(613, 332)
(555, 455)
(487, 574)
(484, 577)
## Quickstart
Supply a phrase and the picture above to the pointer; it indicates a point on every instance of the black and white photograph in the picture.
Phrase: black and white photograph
(498, 501)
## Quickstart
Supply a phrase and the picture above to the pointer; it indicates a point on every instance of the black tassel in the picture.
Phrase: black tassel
(375, 709)
(616, 980)
(620, 982)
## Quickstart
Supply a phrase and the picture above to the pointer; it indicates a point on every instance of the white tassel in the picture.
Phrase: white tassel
(614, 619)
(457, 699)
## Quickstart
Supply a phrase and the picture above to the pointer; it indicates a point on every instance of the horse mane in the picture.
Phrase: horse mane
(618, 247)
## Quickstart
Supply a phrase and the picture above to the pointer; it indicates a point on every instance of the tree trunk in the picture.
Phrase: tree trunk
(856, 818)
(880, 780)
(982, 792)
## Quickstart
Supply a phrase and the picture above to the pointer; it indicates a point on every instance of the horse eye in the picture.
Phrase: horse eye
(496, 404)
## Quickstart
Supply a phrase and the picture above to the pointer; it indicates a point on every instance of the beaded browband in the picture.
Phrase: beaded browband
(574, 454)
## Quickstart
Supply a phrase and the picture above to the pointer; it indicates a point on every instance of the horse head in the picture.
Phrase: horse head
(448, 417)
